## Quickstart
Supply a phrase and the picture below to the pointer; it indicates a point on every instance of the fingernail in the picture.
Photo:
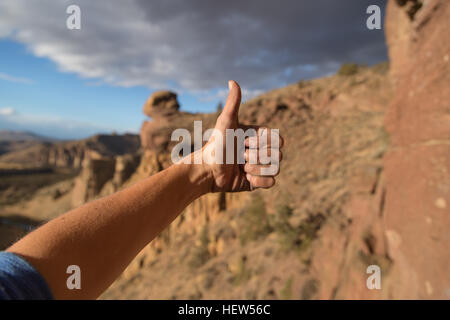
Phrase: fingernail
(230, 84)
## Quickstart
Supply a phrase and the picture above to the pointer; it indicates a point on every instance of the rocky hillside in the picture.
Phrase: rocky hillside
(69, 154)
(275, 244)
(11, 141)
(10, 135)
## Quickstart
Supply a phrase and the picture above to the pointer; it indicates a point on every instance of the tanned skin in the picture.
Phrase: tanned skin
(102, 237)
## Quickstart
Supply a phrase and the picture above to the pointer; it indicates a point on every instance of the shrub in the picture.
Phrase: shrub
(200, 253)
(381, 68)
(303, 83)
(286, 292)
(348, 69)
(254, 223)
(219, 108)
(295, 238)
(310, 289)
(288, 235)
(243, 274)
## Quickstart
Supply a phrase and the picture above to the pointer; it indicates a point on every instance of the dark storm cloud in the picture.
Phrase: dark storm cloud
(267, 42)
(198, 45)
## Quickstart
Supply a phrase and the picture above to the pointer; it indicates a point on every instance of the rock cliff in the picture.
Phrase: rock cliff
(417, 166)
(71, 154)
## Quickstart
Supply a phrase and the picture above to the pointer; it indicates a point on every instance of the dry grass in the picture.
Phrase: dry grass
(20, 185)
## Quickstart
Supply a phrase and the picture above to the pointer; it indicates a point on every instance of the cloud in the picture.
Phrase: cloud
(7, 77)
(197, 45)
(48, 125)
(7, 111)
(222, 94)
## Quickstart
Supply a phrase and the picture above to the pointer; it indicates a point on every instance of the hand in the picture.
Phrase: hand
(241, 177)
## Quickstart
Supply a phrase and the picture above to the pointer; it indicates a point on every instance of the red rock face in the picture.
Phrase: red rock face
(417, 167)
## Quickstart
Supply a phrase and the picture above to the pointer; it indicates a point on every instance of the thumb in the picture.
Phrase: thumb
(231, 108)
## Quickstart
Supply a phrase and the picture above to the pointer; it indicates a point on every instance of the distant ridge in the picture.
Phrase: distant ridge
(60, 153)
(12, 135)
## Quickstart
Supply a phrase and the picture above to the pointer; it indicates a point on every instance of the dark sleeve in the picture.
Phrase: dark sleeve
(19, 280)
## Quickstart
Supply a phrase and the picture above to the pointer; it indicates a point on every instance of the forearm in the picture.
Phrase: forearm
(103, 236)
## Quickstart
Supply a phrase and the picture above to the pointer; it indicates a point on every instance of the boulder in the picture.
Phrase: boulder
(94, 175)
(161, 103)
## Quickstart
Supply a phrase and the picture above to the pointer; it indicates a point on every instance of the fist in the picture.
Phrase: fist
(241, 157)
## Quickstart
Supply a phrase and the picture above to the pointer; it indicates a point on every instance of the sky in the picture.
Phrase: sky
(70, 84)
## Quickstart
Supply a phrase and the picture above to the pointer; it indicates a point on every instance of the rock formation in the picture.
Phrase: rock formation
(71, 154)
(163, 108)
(95, 173)
(417, 166)
(107, 162)
(161, 104)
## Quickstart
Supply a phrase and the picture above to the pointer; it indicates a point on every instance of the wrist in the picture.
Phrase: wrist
(199, 175)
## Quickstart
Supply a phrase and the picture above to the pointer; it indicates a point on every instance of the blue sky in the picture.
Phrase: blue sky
(71, 84)
(37, 96)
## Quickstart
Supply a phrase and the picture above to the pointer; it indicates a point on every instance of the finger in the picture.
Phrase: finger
(231, 108)
(260, 182)
(260, 169)
(264, 138)
(252, 155)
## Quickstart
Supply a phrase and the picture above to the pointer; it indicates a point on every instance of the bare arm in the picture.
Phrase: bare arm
(103, 236)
